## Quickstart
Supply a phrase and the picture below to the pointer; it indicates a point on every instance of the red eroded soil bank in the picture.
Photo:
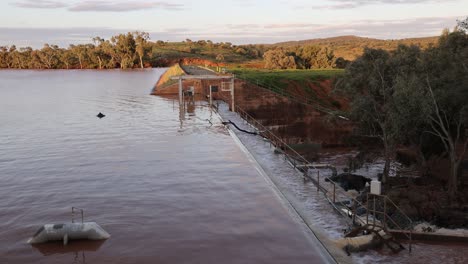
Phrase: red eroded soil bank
(294, 122)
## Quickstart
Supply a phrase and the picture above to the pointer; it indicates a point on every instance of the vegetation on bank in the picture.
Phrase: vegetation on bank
(281, 78)
(416, 98)
(135, 50)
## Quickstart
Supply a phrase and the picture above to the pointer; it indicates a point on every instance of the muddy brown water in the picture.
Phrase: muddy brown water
(168, 191)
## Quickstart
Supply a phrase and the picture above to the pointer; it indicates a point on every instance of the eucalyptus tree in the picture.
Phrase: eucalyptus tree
(80, 52)
(463, 24)
(308, 54)
(279, 59)
(445, 79)
(369, 83)
(99, 51)
(5, 61)
(67, 58)
(141, 40)
(49, 56)
(124, 46)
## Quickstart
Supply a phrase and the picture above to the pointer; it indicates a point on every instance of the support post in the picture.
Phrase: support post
(232, 94)
(211, 97)
(180, 91)
(373, 213)
(367, 210)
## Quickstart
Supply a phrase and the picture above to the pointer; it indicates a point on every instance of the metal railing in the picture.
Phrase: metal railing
(336, 196)
(293, 97)
(393, 217)
(340, 200)
(74, 209)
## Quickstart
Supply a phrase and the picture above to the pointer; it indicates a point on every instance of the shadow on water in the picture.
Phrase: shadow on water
(77, 247)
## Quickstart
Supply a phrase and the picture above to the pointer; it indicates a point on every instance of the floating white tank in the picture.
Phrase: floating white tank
(69, 231)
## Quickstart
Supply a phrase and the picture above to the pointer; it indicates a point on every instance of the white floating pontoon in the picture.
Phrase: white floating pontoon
(69, 231)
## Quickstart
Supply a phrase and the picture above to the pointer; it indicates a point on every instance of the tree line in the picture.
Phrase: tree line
(135, 50)
(303, 57)
(414, 97)
(121, 51)
(130, 50)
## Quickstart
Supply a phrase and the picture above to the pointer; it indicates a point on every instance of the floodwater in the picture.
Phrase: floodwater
(167, 190)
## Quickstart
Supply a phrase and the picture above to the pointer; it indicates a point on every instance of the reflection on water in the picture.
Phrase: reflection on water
(168, 188)
(76, 246)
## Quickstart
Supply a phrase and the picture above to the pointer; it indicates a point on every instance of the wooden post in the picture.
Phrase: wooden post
(232, 93)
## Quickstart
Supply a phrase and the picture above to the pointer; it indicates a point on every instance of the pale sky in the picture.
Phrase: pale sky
(35, 22)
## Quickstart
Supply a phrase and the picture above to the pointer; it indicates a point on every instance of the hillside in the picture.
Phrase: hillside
(350, 47)
(131, 50)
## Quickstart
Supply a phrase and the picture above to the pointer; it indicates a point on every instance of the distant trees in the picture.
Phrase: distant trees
(300, 57)
(279, 59)
(124, 51)
(463, 24)
(134, 49)
(220, 57)
(409, 94)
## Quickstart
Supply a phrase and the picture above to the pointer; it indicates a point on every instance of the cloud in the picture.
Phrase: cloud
(350, 4)
(119, 6)
(100, 5)
(45, 4)
(238, 33)
(37, 37)
(271, 33)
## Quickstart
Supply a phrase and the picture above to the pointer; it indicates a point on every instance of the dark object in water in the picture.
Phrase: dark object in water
(238, 128)
(349, 181)
(101, 115)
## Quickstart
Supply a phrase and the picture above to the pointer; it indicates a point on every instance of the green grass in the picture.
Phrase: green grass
(295, 75)
(279, 78)
(180, 49)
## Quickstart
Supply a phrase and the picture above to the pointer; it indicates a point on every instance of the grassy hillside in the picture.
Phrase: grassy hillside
(350, 47)
(220, 52)
(130, 50)
(308, 85)
(280, 78)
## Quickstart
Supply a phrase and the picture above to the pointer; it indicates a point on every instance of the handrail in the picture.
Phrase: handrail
(243, 112)
(73, 214)
(318, 106)
(407, 232)
(279, 143)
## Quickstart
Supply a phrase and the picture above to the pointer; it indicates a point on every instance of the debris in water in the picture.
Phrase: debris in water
(101, 115)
